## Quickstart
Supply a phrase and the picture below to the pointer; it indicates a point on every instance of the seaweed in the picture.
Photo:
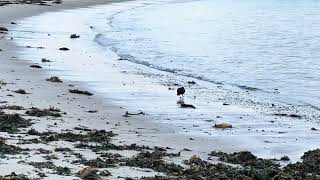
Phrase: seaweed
(43, 112)
(12, 107)
(54, 79)
(77, 91)
(20, 91)
(12, 122)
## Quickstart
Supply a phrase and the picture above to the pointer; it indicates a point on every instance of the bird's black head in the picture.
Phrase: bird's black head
(180, 91)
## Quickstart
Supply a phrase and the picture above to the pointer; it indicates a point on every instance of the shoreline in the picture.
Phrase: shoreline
(77, 109)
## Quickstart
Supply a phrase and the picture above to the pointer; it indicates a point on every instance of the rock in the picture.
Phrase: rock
(64, 49)
(54, 79)
(288, 115)
(191, 82)
(313, 129)
(45, 60)
(3, 29)
(35, 66)
(74, 36)
(20, 91)
(105, 173)
(188, 106)
(223, 125)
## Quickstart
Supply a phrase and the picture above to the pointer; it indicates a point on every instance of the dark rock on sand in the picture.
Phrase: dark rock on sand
(3, 29)
(45, 60)
(20, 91)
(54, 79)
(74, 36)
(64, 49)
(288, 115)
(35, 66)
(77, 91)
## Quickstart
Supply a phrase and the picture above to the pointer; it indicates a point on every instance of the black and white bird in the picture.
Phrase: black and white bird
(180, 92)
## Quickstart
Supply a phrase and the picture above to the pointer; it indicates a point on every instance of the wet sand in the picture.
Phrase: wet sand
(18, 74)
(79, 114)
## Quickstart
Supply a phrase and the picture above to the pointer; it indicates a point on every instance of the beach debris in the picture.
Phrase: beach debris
(64, 49)
(12, 122)
(307, 169)
(153, 160)
(191, 82)
(13, 23)
(99, 136)
(133, 114)
(35, 66)
(20, 91)
(187, 106)
(12, 107)
(63, 171)
(92, 111)
(225, 104)
(3, 29)
(54, 79)
(44, 60)
(223, 125)
(8, 149)
(77, 91)
(314, 129)
(105, 173)
(284, 158)
(288, 115)
(14, 176)
(57, 2)
(2, 82)
(43, 112)
(88, 173)
(50, 165)
(74, 36)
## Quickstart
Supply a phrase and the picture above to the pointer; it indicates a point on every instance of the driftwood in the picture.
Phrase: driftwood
(133, 114)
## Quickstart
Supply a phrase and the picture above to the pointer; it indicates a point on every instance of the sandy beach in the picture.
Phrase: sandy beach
(59, 130)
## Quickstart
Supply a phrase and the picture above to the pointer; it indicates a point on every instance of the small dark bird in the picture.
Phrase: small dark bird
(180, 91)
